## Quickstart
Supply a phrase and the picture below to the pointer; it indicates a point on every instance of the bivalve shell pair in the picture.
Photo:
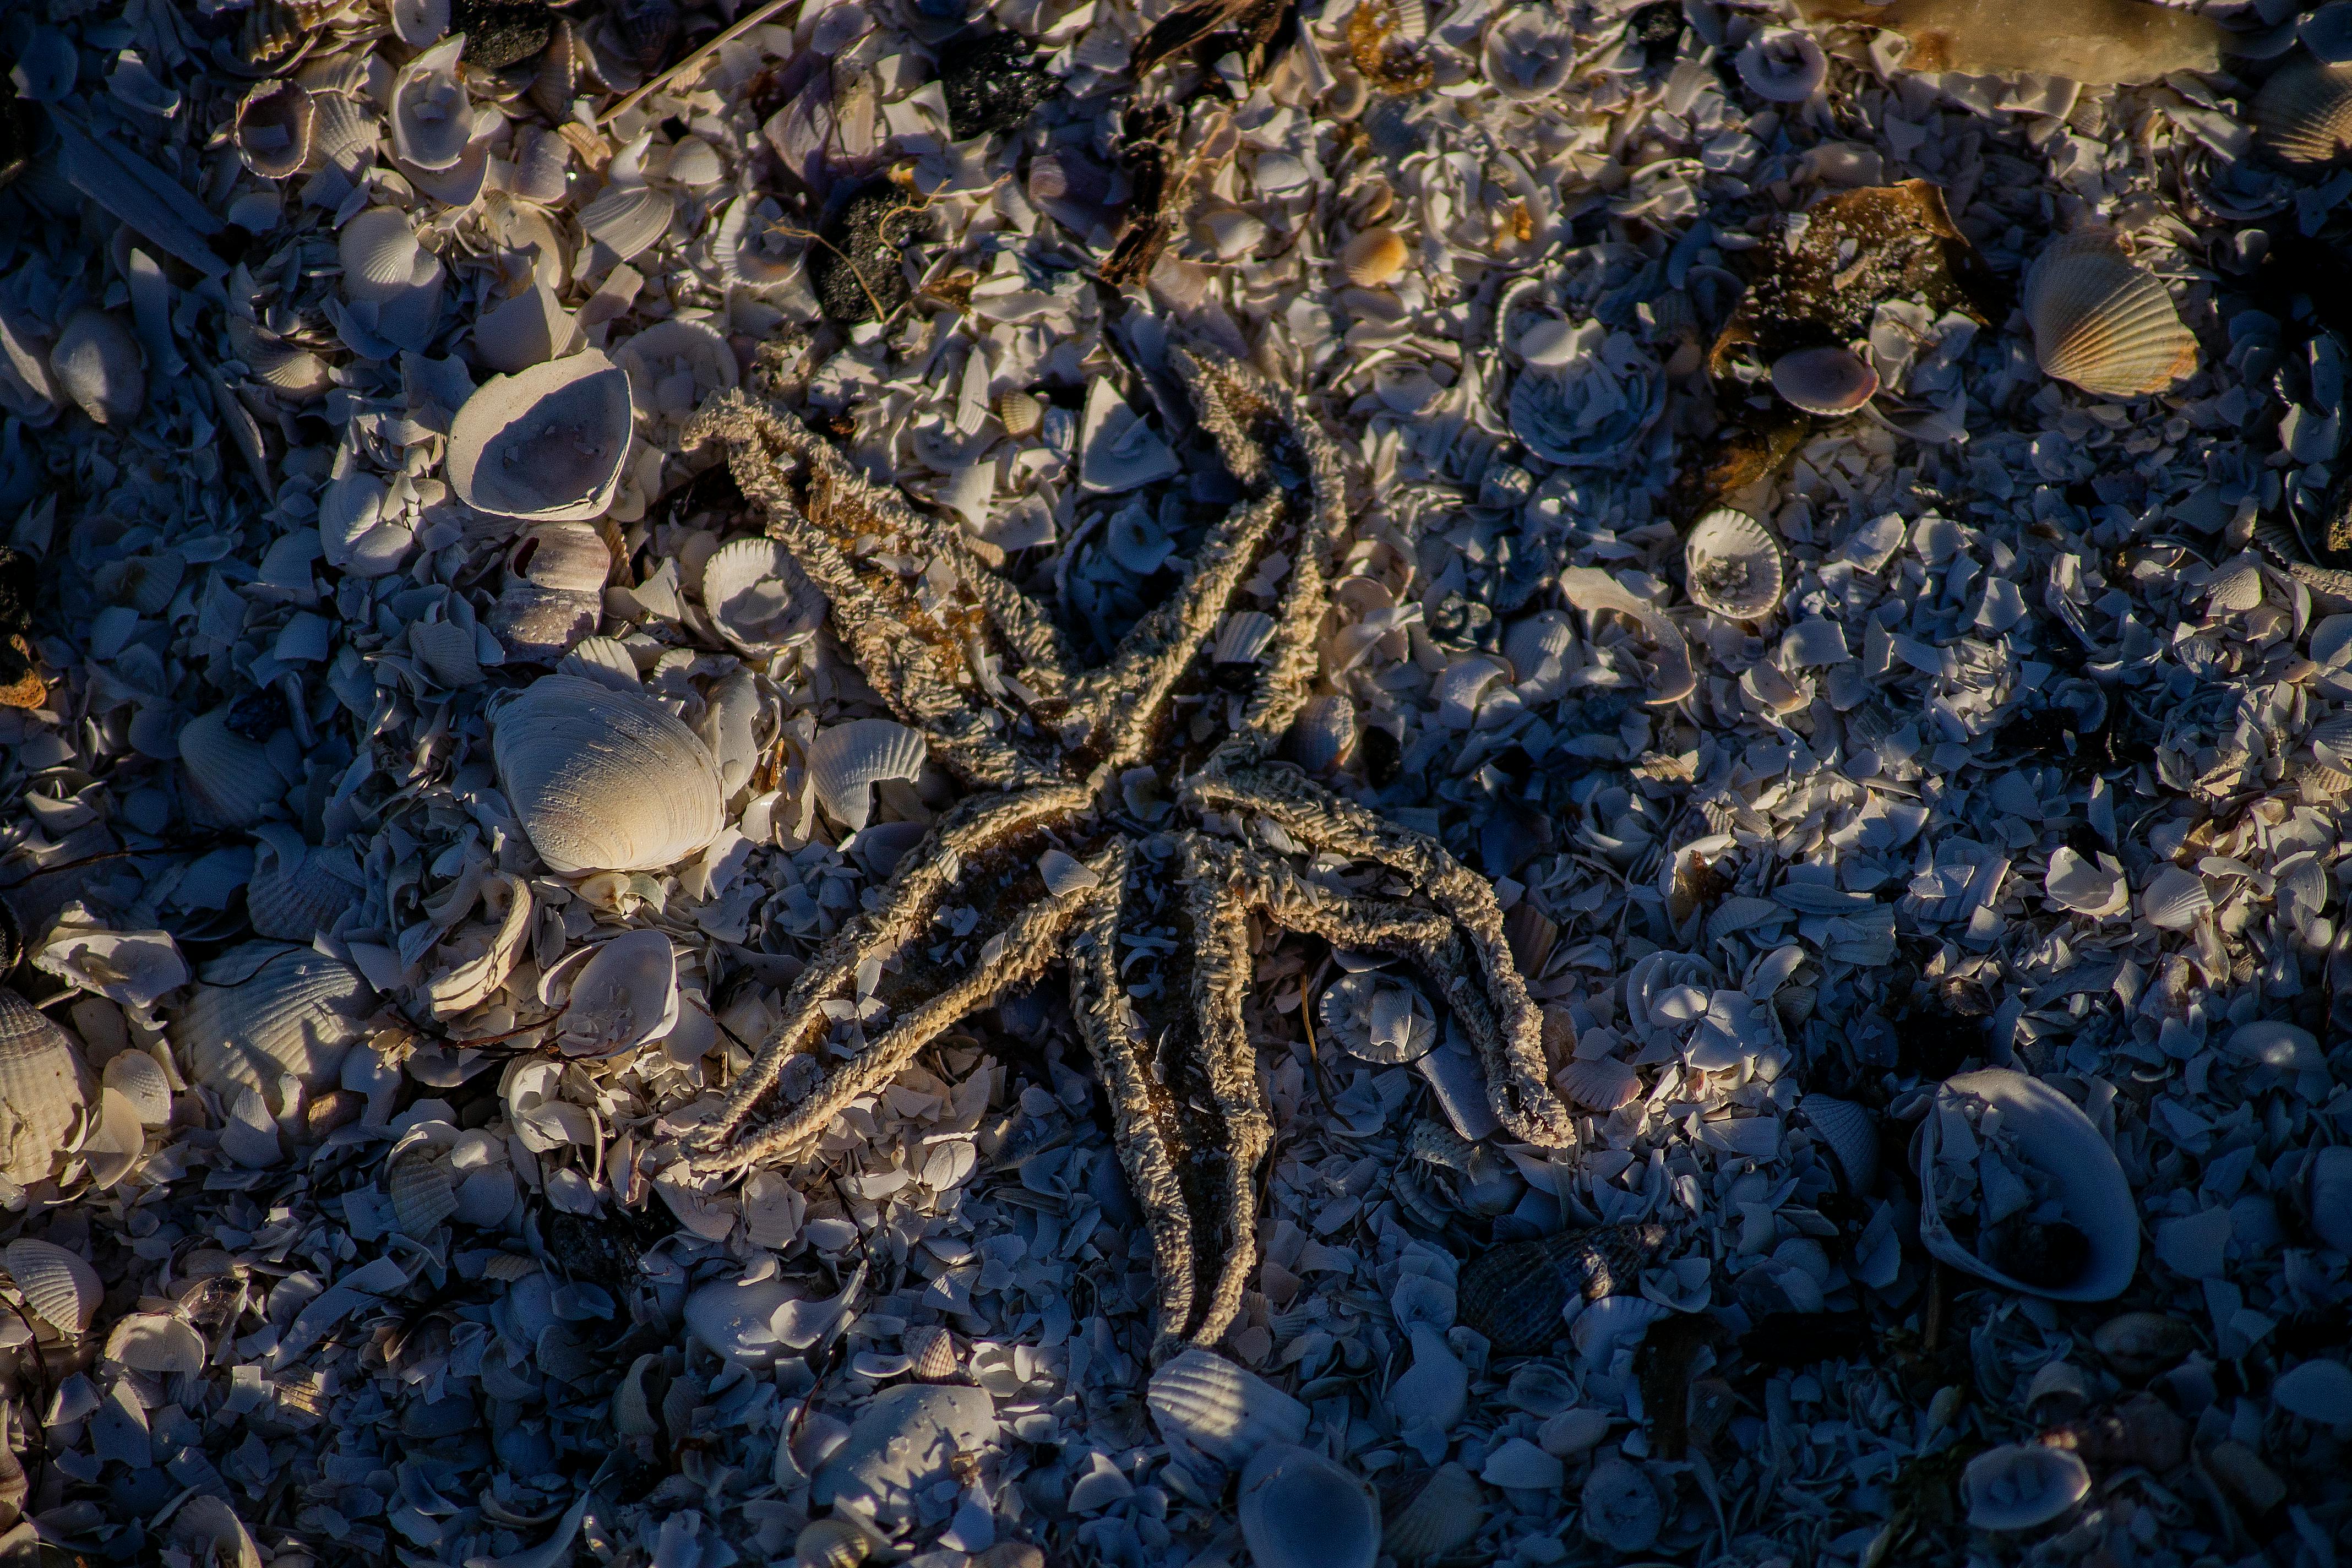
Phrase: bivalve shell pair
(545, 445)
(604, 779)
(1733, 567)
(1298, 1509)
(2302, 115)
(1221, 1409)
(2103, 323)
(45, 1089)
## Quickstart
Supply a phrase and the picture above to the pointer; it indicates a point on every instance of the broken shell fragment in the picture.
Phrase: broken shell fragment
(1298, 1509)
(1378, 1018)
(1529, 52)
(1784, 65)
(2103, 323)
(276, 123)
(547, 444)
(1620, 1506)
(604, 779)
(2022, 1486)
(97, 363)
(624, 995)
(1826, 381)
(1733, 567)
(432, 118)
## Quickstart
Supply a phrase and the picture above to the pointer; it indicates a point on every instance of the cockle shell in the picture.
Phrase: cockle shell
(1826, 381)
(846, 761)
(1851, 1134)
(547, 444)
(604, 779)
(1600, 1085)
(1621, 1508)
(1514, 1293)
(231, 780)
(97, 363)
(622, 993)
(296, 371)
(1378, 1018)
(432, 118)
(829, 1543)
(423, 1196)
(1019, 412)
(45, 1086)
(159, 1343)
(393, 282)
(1219, 1408)
(1538, 649)
(296, 890)
(1323, 734)
(2103, 323)
(753, 247)
(2302, 115)
(1298, 1509)
(140, 1079)
(564, 557)
(930, 1353)
(1733, 567)
(628, 215)
(2022, 1486)
(298, 1016)
(1784, 65)
(1443, 1518)
(2054, 1136)
(59, 1284)
(1242, 638)
(1375, 258)
(276, 124)
(1528, 52)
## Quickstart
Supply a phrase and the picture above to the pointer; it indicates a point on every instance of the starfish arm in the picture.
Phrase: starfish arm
(980, 852)
(917, 609)
(1512, 1047)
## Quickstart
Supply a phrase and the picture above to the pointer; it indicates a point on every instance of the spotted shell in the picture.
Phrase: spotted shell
(2103, 323)
(2302, 115)
(45, 1086)
(604, 779)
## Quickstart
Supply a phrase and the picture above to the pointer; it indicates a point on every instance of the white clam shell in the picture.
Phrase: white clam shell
(1620, 1507)
(1784, 65)
(432, 119)
(624, 995)
(2302, 115)
(2176, 897)
(1528, 52)
(297, 890)
(2022, 1486)
(1443, 1518)
(1117, 450)
(2084, 884)
(296, 371)
(1733, 567)
(1824, 380)
(604, 660)
(1298, 1509)
(1222, 1410)
(529, 329)
(628, 219)
(44, 1088)
(604, 779)
(296, 1016)
(57, 1284)
(2318, 1391)
(1323, 734)
(845, 761)
(277, 123)
(547, 444)
(231, 780)
(2102, 323)
(2054, 1137)
(97, 363)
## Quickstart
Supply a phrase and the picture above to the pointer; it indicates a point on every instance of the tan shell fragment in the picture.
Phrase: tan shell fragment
(45, 1086)
(2302, 115)
(1374, 256)
(2103, 323)
(604, 779)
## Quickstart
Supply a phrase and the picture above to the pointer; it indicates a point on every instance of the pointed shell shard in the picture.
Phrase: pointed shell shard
(546, 443)
(2102, 323)
(1221, 1409)
(604, 779)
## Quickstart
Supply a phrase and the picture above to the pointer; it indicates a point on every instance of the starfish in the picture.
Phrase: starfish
(1117, 822)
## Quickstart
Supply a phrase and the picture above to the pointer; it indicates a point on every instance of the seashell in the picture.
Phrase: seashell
(2058, 1380)
(1375, 258)
(646, 28)
(1538, 649)
(1851, 1134)
(386, 270)
(1242, 638)
(1064, 875)
(1443, 1518)
(2054, 1137)
(1514, 1294)
(696, 162)
(930, 1352)
(623, 994)
(1732, 566)
(97, 363)
(158, 1343)
(547, 444)
(2302, 115)
(2141, 1344)
(673, 365)
(1600, 1085)
(116, 1141)
(1378, 1018)
(1528, 52)
(274, 128)
(1323, 734)
(432, 118)
(2278, 1044)
(1298, 1509)
(1620, 1509)
(1518, 1465)
(1204, 1400)
(2327, 1196)
(46, 66)
(528, 330)
(423, 1196)
(1573, 1432)
(294, 370)
(604, 779)
(755, 595)
(829, 1543)
(297, 891)
(2327, 33)
(2175, 898)
(1784, 65)
(565, 557)
(604, 661)
(1591, 590)
(140, 1079)
(2085, 886)
(45, 1089)
(542, 623)
(1435, 1390)
(2319, 1390)
(417, 22)
(753, 246)
(1824, 380)
(296, 1016)
(627, 219)
(57, 1283)
(845, 761)
(231, 782)
(344, 133)
(2022, 1486)
(1118, 451)
(1019, 412)
(2101, 322)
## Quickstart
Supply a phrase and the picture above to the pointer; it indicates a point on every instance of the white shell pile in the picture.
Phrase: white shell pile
(1932, 868)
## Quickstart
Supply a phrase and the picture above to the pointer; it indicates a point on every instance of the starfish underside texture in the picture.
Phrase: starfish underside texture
(1151, 917)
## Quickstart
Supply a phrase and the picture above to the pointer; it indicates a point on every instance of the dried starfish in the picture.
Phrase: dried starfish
(1107, 806)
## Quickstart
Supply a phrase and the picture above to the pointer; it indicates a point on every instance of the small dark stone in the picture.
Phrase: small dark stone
(855, 266)
(17, 586)
(1383, 757)
(602, 1249)
(500, 33)
(259, 714)
(992, 86)
(1659, 30)
(2050, 1255)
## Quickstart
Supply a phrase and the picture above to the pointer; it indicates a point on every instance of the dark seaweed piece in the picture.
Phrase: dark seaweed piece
(2049, 1254)
(500, 33)
(991, 85)
(1383, 757)
(1255, 29)
(854, 264)
(1934, 1043)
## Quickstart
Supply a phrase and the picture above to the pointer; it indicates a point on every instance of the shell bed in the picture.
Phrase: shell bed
(1419, 782)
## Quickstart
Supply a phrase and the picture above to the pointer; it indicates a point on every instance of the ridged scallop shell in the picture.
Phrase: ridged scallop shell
(2176, 897)
(604, 660)
(1242, 638)
(2054, 1137)
(1019, 412)
(1600, 1085)
(297, 890)
(2302, 115)
(604, 779)
(1784, 65)
(545, 445)
(45, 1086)
(2103, 323)
(96, 362)
(1733, 567)
(829, 1543)
(281, 366)
(1514, 1293)
(230, 780)
(432, 118)
(423, 1196)
(673, 365)
(1851, 1135)
(1323, 734)
(1222, 1409)
(1375, 258)
(528, 330)
(1232, 232)
(297, 1016)
(276, 124)
(1298, 1509)
(565, 557)
(140, 1079)
(1443, 1518)
(628, 218)
(845, 761)
(1824, 380)
(344, 133)
(2022, 1486)
(57, 1284)
(1620, 1507)
(930, 1353)
(381, 258)
(539, 623)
